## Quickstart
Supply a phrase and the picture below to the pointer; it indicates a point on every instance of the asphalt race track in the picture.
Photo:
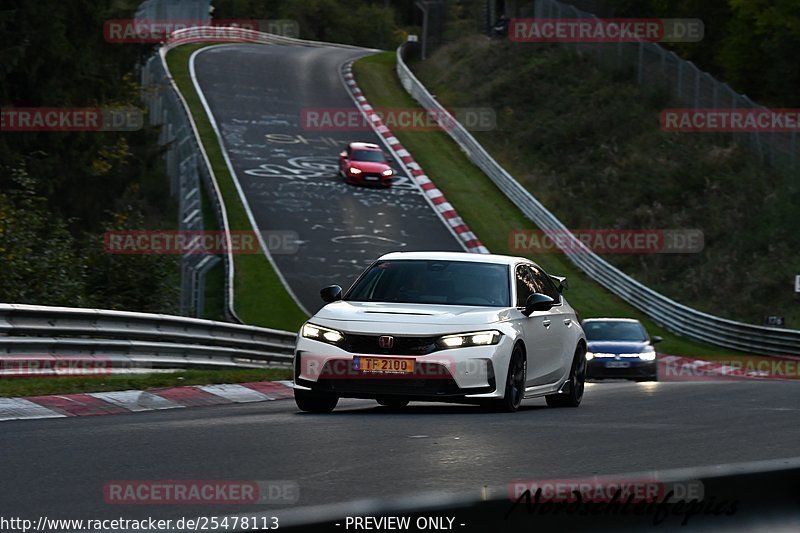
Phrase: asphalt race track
(364, 451)
(288, 170)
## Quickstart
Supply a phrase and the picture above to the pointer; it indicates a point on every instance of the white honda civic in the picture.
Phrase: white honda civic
(443, 326)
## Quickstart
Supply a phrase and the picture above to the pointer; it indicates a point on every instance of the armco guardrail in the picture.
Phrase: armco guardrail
(672, 315)
(137, 339)
(240, 35)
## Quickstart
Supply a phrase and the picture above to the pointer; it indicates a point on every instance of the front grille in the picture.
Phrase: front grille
(640, 370)
(368, 344)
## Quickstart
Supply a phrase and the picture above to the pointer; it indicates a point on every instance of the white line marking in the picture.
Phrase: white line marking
(235, 178)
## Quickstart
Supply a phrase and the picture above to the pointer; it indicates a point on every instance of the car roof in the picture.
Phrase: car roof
(458, 256)
(364, 146)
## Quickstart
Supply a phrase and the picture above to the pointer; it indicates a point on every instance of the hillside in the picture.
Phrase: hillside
(587, 143)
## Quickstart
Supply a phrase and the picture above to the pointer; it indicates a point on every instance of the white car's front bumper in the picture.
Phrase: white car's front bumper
(472, 372)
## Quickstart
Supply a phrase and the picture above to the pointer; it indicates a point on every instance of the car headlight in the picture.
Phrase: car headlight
(475, 338)
(319, 333)
(388, 172)
(355, 171)
(648, 356)
(644, 356)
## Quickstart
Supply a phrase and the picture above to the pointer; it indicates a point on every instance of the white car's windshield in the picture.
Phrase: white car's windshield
(434, 282)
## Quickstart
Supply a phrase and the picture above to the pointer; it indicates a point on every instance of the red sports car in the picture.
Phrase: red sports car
(365, 163)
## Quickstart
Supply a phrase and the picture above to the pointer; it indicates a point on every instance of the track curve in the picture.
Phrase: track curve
(256, 95)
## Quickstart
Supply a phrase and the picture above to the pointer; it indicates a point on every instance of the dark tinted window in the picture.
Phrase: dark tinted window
(434, 282)
(373, 156)
(545, 284)
(614, 331)
(526, 284)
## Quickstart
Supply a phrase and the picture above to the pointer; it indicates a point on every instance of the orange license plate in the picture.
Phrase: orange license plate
(384, 365)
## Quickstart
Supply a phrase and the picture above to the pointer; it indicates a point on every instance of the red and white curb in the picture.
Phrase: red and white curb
(440, 204)
(131, 401)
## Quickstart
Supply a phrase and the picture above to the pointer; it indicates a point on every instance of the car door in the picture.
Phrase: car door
(560, 333)
(536, 330)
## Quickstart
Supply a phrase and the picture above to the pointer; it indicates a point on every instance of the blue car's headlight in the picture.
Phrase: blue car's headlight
(648, 356)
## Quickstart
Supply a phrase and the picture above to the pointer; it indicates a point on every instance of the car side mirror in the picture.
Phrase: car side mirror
(537, 302)
(561, 283)
(331, 293)
(655, 339)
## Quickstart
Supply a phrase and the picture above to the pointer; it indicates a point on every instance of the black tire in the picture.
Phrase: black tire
(393, 403)
(315, 402)
(575, 384)
(515, 383)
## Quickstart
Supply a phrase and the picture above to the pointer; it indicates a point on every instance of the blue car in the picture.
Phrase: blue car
(619, 348)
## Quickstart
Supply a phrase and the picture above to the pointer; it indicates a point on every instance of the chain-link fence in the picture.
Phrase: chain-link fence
(656, 66)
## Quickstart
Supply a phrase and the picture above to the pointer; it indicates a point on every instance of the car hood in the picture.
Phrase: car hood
(422, 314)
(369, 166)
(617, 347)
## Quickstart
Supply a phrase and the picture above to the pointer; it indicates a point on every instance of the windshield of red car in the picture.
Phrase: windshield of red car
(372, 156)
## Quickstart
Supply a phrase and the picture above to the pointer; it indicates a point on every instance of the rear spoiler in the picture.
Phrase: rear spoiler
(561, 282)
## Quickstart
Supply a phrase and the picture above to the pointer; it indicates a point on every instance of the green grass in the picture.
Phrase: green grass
(259, 296)
(490, 215)
(113, 382)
